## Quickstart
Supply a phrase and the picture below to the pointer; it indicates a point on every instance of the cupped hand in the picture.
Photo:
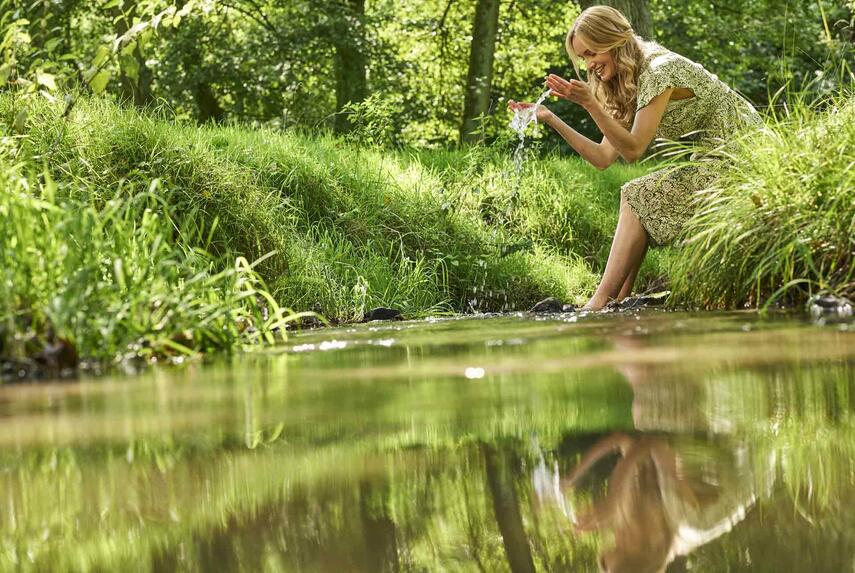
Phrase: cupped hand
(577, 91)
(542, 113)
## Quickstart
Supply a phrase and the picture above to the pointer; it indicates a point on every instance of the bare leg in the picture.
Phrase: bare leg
(626, 289)
(628, 249)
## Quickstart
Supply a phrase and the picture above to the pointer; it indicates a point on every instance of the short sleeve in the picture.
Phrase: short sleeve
(665, 71)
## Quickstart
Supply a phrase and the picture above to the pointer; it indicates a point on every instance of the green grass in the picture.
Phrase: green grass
(337, 228)
(780, 224)
(122, 235)
(124, 276)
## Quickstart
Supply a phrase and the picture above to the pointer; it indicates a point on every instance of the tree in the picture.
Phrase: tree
(636, 11)
(480, 77)
(351, 85)
(135, 77)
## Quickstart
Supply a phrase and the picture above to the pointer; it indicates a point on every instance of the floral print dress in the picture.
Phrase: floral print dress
(664, 200)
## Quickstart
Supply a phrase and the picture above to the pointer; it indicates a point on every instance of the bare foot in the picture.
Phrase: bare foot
(595, 304)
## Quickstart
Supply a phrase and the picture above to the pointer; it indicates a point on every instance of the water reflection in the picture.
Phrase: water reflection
(663, 498)
(627, 443)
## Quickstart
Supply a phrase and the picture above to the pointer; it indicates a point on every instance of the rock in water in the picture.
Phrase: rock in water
(382, 313)
(552, 304)
(58, 354)
(639, 301)
(829, 305)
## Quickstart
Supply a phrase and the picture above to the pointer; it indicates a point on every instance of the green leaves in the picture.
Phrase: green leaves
(5, 73)
(98, 82)
(19, 125)
(46, 80)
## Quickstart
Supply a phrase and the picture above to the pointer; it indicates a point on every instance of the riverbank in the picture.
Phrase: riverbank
(126, 235)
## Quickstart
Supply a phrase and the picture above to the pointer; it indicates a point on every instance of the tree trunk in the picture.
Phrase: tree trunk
(207, 103)
(351, 84)
(132, 89)
(381, 538)
(480, 77)
(636, 11)
(500, 479)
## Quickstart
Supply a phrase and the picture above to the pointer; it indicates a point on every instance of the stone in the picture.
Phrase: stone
(382, 313)
(59, 354)
(550, 304)
(829, 305)
(640, 301)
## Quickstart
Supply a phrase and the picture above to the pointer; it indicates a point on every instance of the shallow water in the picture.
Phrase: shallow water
(710, 442)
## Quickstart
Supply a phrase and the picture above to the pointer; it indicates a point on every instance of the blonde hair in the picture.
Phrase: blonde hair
(605, 29)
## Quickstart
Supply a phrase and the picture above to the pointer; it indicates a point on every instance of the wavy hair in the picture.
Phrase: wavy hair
(605, 29)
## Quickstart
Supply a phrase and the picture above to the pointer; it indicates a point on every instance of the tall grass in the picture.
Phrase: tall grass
(779, 225)
(119, 276)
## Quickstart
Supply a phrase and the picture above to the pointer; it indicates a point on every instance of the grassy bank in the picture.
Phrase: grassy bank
(780, 224)
(126, 234)
(126, 230)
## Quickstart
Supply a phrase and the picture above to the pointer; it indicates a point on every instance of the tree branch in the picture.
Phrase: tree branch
(257, 16)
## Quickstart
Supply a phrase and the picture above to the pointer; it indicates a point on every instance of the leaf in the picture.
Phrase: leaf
(5, 72)
(20, 123)
(99, 82)
(130, 66)
(50, 187)
(111, 4)
(48, 96)
(167, 17)
(144, 38)
(46, 80)
(51, 44)
(128, 48)
(185, 10)
(100, 56)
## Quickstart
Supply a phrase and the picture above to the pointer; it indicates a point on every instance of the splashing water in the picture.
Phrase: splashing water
(521, 120)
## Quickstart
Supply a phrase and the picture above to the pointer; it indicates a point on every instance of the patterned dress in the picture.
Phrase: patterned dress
(664, 200)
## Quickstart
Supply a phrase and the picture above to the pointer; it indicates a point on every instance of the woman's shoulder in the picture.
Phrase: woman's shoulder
(658, 59)
(662, 68)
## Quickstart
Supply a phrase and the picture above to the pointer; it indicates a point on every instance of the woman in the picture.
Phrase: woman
(636, 91)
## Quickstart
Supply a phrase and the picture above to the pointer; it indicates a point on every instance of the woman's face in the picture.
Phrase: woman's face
(602, 64)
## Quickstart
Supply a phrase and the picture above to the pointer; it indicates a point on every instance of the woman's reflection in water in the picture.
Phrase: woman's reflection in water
(667, 495)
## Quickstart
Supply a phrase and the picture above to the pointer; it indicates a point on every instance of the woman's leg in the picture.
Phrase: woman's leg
(627, 252)
(626, 289)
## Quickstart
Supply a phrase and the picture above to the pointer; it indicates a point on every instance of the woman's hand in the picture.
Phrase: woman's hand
(542, 113)
(574, 90)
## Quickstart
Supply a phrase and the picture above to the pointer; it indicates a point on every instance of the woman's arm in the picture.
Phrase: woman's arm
(618, 441)
(600, 155)
(631, 145)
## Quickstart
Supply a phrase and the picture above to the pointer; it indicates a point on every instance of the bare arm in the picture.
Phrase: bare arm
(615, 442)
(600, 155)
(630, 144)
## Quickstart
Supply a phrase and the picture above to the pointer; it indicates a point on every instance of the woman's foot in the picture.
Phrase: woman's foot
(596, 303)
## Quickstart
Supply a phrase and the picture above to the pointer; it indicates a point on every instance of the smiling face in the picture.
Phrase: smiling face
(600, 64)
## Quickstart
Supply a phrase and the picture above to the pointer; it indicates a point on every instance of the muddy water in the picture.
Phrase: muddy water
(642, 441)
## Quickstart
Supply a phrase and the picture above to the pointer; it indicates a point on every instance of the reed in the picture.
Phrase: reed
(780, 224)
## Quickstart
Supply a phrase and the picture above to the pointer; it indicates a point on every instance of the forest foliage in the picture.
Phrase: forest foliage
(399, 67)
